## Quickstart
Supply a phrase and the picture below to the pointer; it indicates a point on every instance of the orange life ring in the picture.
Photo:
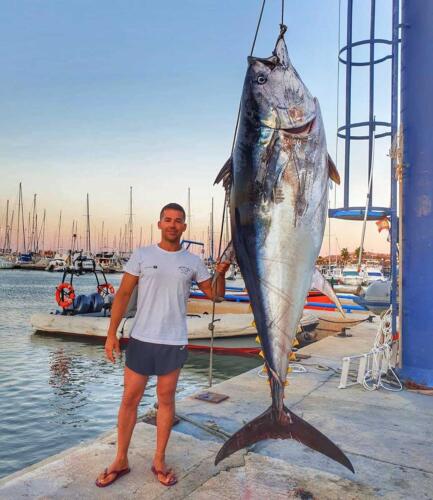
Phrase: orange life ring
(106, 288)
(65, 295)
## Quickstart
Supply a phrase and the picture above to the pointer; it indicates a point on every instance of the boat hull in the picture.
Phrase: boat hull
(232, 332)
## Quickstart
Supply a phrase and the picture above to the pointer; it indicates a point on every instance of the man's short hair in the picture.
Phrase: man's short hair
(172, 206)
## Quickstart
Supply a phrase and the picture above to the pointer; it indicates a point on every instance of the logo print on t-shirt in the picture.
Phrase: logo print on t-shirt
(184, 270)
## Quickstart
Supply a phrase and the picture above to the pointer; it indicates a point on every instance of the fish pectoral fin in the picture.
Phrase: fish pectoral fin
(319, 283)
(332, 171)
(287, 425)
(225, 175)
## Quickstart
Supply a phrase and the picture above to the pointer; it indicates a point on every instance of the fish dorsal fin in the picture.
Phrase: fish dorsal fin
(319, 283)
(281, 52)
(225, 175)
(333, 172)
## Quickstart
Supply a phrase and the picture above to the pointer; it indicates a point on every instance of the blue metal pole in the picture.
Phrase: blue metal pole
(417, 112)
(348, 101)
(371, 117)
(394, 113)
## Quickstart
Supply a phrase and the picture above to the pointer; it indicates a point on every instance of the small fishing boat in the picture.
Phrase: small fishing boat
(57, 264)
(233, 332)
(110, 262)
(373, 271)
(377, 297)
(352, 276)
(89, 316)
(6, 264)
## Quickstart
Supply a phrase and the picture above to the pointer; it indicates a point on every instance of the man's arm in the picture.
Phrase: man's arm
(121, 299)
(217, 291)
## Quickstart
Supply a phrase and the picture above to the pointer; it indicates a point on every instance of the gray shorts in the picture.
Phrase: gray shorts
(154, 359)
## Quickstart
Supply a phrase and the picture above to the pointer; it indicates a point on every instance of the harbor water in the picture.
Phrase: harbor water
(56, 392)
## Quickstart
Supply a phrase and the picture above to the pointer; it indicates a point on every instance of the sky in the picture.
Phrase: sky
(103, 95)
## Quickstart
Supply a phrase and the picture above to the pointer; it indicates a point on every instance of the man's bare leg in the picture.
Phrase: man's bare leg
(134, 385)
(166, 391)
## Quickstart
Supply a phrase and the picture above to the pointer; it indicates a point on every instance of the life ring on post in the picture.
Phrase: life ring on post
(65, 295)
(105, 289)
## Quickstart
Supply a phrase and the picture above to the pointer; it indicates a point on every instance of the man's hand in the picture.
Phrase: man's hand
(222, 267)
(214, 288)
(112, 347)
(127, 285)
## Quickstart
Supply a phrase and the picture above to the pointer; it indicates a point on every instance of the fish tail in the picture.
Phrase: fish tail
(282, 425)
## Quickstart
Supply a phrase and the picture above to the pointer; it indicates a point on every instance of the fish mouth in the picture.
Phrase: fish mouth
(302, 129)
(294, 121)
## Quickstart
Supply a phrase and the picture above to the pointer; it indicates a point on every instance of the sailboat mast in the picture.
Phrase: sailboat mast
(32, 242)
(29, 249)
(102, 238)
(131, 238)
(211, 232)
(189, 213)
(43, 231)
(88, 245)
(22, 217)
(58, 234)
(11, 230)
(6, 240)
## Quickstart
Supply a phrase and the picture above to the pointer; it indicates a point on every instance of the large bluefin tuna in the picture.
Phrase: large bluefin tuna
(277, 180)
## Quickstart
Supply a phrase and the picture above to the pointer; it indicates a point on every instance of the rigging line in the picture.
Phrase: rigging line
(214, 291)
(282, 12)
(338, 95)
(368, 198)
(251, 53)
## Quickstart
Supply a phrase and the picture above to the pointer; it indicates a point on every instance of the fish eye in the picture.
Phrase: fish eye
(261, 79)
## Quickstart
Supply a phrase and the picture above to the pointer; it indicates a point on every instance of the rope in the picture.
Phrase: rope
(367, 201)
(338, 95)
(292, 368)
(382, 349)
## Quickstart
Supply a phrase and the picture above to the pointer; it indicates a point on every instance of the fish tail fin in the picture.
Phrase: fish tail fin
(287, 425)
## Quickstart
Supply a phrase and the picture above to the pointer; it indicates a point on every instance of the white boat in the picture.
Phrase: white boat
(57, 264)
(373, 272)
(332, 273)
(352, 277)
(89, 325)
(377, 296)
(109, 262)
(6, 264)
(238, 328)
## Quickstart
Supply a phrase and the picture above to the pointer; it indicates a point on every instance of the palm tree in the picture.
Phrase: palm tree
(357, 252)
(344, 254)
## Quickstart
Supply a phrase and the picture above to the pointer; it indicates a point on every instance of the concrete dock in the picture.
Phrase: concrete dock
(387, 435)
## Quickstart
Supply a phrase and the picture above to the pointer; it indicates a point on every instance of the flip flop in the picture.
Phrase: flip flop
(117, 475)
(156, 472)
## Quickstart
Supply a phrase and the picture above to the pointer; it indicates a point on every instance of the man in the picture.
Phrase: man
(158, 339)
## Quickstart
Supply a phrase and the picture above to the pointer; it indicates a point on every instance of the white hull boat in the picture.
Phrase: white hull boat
(232, 332)
(6, 264)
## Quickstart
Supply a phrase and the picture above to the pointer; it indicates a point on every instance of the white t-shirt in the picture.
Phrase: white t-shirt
(163, 290)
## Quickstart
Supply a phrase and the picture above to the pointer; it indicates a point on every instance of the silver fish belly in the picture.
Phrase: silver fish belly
(277, 227)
